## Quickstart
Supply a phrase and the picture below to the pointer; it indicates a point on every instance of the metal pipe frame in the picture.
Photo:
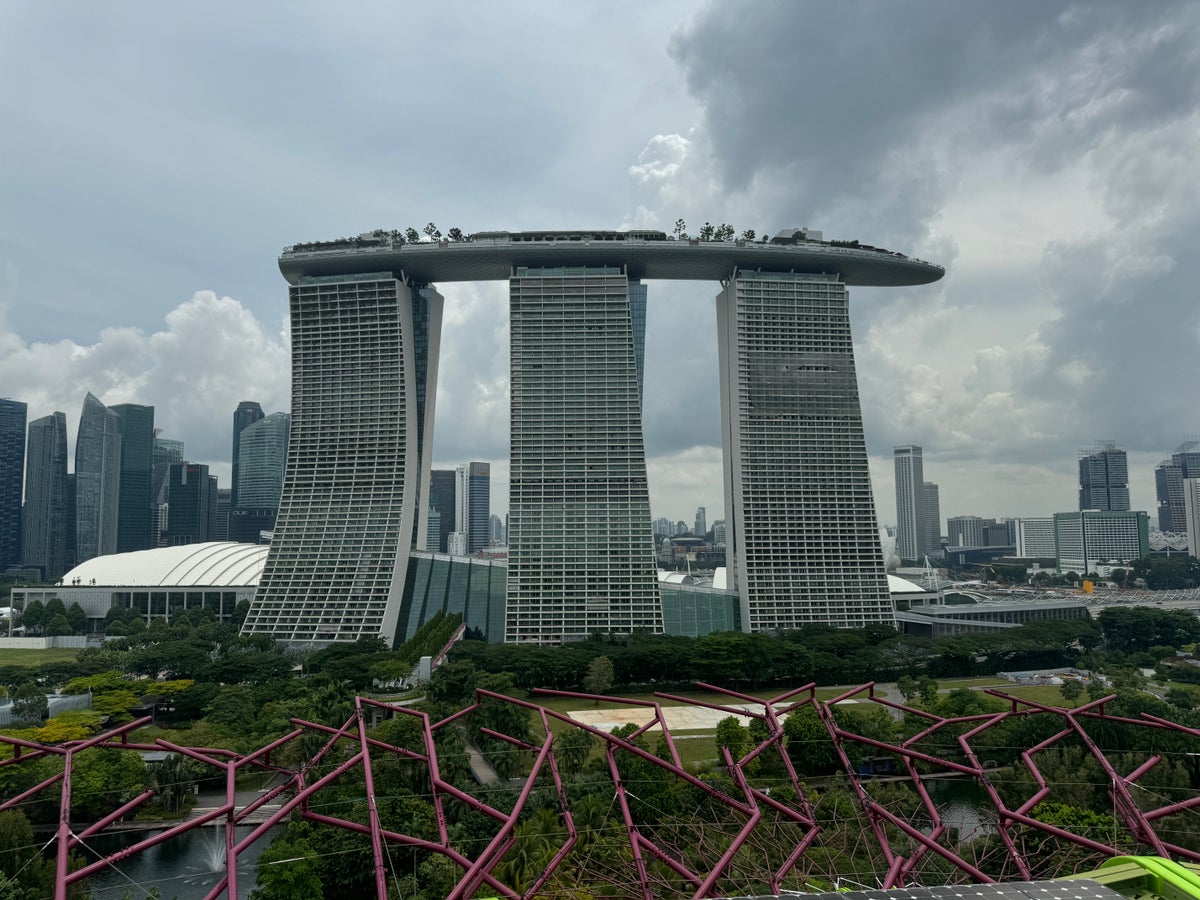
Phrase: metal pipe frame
(753, 815)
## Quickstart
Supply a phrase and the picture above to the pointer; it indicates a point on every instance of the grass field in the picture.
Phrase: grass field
(33, 658)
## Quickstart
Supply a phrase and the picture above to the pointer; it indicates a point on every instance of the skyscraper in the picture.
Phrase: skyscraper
(443, 487)
(137, 468)
(580, 551)
(701, 526)
(97, 480)
(910, 502)
(473, 491)
(801, 535)
(44, 529)
(360, 450)
(931, 534)
(247, 413)
(1103, 478)
(164, 454)
(13, 415)
(802, 541)
(192, 497)
(1169, 476)
(262, 459)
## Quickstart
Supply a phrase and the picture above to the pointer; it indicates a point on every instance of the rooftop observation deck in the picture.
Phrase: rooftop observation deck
(646, 255)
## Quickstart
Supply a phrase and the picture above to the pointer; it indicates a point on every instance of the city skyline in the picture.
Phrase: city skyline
(1010, 165)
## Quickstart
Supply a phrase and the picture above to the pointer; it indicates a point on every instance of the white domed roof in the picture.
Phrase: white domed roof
(215, 564)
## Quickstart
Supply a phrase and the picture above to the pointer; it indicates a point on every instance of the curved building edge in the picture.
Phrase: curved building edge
(492, 256)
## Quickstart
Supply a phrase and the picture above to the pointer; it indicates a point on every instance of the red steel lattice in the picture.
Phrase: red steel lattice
(755, 822)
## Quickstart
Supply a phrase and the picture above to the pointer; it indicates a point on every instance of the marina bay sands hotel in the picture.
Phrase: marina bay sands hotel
(348, 557)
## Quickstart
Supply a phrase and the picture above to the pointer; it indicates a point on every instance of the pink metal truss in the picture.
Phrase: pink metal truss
(754, 817)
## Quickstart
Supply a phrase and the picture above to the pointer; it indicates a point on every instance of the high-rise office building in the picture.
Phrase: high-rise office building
(137, 477)
(247, 413)
(97, 480)
(44, 527)
(1104, 478)
(164, 454)
(192, 500)
(931, 511)
(262, 459)
(222, 509)
(443, 490)
(364, 382)
(967, 531)
(473, 491)
(580, 550)
(13, 414)
(701, 526)
(802, 542)
(497, 528)
(1169, 476)
(910, 503)
(1191, 514)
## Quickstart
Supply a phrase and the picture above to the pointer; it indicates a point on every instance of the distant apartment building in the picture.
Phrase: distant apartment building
(1169, 476)
(1035, 538)
(931, 513)
(1191, 514)
(966, 531)
(1104, 478)
(1089, 539)
(473, 490)
(910, 502)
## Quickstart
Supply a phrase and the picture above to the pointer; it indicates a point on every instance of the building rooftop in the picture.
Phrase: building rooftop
(213, 564)
(493, 255)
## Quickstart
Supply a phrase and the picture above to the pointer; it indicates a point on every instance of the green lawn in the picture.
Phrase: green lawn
(1047, 694)
(34, 658)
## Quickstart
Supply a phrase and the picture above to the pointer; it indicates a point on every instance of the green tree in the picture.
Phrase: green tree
(287, 870)
(733, 736)
(572, 749)
(29, 704)
(24, 873)
(599, 676)
(103, 779)
(58, 626)
(456, 235)
(1072, 690)
(680, 230)
(431, 232)
(34, 616)
(412, 235)
(77, 618)
(808, 743)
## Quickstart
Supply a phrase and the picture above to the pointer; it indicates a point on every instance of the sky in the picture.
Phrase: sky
(155, 159)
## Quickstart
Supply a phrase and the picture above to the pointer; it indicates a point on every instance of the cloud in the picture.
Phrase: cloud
(1044, 152)
(210, 354)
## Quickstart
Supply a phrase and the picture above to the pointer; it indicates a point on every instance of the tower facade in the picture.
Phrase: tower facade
(473, 492)
(262, 458)
(910, 501)
(1104, 478)
(44, 527)
(13, 414)
(137, 476)
(931, 534)
(1169, 476)
(364, 352)
(247, 413)
(192, 499)
(443, 489)
(97, 480)
(580, 551)
(802, 543)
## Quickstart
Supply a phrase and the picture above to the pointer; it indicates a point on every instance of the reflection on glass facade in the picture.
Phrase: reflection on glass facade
(475, 587)
(581, 555)
(802, 544)
(44, 527)
(262, 457)
(637, 317)
(97, 480)
(357, 460)
(12, 460)
(137, 451)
